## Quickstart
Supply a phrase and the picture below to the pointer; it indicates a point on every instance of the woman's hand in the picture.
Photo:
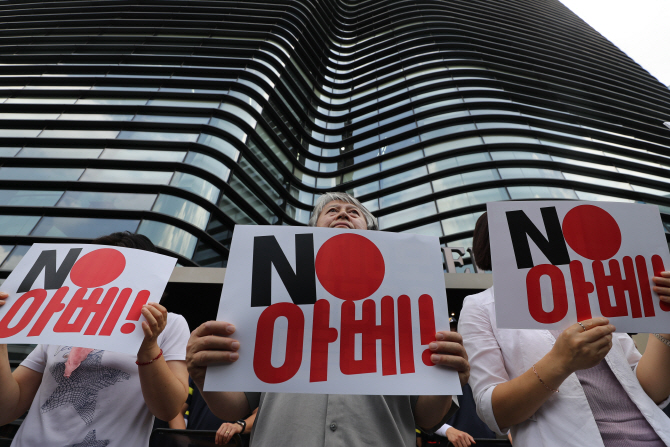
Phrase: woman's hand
(3, 298)
(582, 346)
(156, 320)
(448, 350)
(225, 433)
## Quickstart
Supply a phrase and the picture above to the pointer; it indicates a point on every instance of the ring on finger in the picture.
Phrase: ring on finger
(583, 327)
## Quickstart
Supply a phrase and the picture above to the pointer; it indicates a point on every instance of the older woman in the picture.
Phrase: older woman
(553, 388)
(319, 419)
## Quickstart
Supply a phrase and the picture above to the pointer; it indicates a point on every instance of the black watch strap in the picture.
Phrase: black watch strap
(243, 423)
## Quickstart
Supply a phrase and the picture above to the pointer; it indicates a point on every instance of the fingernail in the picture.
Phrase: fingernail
(434, 358)
(234, 356)
(235, 345)
(432, 346)
(439, 336)
(230, 328)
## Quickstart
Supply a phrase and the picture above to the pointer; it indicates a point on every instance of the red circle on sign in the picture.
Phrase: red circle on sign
(350, 267)
(97, 268)
(592, 232)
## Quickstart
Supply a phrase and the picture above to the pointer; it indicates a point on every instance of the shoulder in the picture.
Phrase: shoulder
(176, 321)
(481, 298)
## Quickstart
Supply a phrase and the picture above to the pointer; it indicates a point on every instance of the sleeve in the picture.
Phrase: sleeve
(174, 338)
(442, 431)
(254, 399)
(452, 410)
(37, 359)
(487, 366)
(631, 353)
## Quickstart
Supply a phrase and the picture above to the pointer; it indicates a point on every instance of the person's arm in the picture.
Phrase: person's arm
(448, 351)
(18, 389)
(210, 345)
(229, 429)
(164, 383)
(178, 423)
(501, 402)
(656, 357)
(516, 400)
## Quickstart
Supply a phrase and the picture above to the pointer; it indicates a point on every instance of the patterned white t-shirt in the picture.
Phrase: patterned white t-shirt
(101, 403)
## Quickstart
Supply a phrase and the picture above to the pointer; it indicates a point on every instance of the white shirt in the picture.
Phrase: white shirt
(442, 431)
(565, 419)
(101, 403)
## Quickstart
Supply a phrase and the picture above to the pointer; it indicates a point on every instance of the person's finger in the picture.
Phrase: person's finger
(206, 358)
(3, 297)
(663, 280)
(213, 343)
(159, 312)
(155, 312)
(597, 333)
(151, 321)
(218, 437)
(449, 336)
(471, 439)
(458, 363)
(2, 302)
(445, 347)
(591, 323)
(159, 307)
(146, 329)
(214, 328)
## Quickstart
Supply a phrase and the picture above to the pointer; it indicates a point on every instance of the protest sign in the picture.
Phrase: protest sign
(320, 310)
(88, 296)
(559, 262)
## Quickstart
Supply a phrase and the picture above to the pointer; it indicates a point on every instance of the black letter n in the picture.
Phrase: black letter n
(554, 247)
(53, 278)
(301, 284)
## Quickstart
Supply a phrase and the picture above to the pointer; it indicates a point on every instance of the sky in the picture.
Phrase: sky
(640, 28)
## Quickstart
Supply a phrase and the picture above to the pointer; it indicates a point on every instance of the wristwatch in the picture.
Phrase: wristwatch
(243, 423)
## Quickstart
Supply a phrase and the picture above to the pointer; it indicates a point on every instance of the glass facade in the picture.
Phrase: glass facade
(180, 119)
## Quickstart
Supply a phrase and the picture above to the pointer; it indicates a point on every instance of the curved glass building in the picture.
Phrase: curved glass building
(179, 119)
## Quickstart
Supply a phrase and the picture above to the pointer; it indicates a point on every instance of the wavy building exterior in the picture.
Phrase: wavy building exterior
(179, 119)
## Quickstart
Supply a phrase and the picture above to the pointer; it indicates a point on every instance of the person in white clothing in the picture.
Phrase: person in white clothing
(91, 397)
(553, 388)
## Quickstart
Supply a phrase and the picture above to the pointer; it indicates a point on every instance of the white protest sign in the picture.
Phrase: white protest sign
(559, 262)
(320, 310)
(88, 296)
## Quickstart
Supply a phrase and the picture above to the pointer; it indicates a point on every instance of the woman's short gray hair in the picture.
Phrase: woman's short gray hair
(328, 197)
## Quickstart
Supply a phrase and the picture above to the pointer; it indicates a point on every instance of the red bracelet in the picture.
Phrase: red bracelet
(160, 354)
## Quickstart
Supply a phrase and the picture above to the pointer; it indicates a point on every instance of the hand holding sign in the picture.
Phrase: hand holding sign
(448, 350)
(210, 345)
(582, 346)
(156, 320)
